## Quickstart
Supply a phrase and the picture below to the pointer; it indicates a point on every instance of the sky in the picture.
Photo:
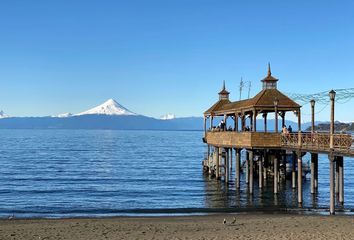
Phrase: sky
(169, 56)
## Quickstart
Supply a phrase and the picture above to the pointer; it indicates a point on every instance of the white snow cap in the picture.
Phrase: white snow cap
(64, 115)
(110, 107)
(3, 115)
(168, 116)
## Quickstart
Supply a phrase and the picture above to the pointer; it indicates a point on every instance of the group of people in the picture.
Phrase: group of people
(287, 130)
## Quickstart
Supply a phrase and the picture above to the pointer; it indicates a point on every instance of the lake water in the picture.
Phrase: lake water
(71, 173)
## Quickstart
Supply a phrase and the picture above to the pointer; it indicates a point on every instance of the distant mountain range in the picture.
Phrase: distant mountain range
(109, 115)
(338, 127)
(112, 115)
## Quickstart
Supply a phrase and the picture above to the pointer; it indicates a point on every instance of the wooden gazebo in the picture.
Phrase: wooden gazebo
(269, 100)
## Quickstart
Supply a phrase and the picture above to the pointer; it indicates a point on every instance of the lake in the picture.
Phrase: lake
(91, 173)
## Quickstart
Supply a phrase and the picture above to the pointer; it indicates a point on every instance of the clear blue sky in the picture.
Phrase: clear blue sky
(161, 56)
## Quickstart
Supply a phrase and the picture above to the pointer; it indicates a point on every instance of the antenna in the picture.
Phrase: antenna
(249, 88)
(241, 87)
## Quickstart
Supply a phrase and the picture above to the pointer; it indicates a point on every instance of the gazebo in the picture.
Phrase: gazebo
(269, 100)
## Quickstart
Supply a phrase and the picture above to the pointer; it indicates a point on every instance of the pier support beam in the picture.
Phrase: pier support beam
(340, 163)
(299, 178)
(315, 155)
(227, 165)
(217, 164)
(275, 174)
(336, 175)
(260, 171)
(293, 173)
(251, 171)
(331, 184)
(312, 173)
(247, 167)
(237, 167)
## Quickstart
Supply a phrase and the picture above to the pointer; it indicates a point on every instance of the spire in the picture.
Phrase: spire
(223, 94)
(269, 71)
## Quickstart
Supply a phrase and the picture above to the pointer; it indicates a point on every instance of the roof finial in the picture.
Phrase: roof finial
(223, 85)
(269, 71)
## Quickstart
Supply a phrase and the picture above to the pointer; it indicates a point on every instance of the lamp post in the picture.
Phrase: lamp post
(332, 96)
(312, 102)
(276, 101)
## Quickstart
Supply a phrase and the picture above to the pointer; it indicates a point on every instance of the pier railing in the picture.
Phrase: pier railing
(318, 141)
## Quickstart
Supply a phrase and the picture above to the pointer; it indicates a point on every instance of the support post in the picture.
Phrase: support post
(205, 128)
(237, 168)
(227, 165)
(282, 119)
(260, 172)
(217, 164)
(247, 167)
(251, 122)
(312, 173)
(341, 179)
(299, 177)
(236, 122)
(293, 173)
(265, 121)
(251, 171)
(225, 121)
(276, 174)
(254, 121)
(316, 170)
(211, 122)
(336, 174)
(331, 184)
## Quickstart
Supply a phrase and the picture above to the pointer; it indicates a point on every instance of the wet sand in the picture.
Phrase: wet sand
(247, 226)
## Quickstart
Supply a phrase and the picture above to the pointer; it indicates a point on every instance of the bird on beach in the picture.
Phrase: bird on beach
(224, 222)
(11, 217)
(233, 221)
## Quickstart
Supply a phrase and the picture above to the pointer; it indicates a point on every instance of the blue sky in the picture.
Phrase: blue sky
(161, 56)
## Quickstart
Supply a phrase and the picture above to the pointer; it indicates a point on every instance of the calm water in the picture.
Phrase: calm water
(68, 173)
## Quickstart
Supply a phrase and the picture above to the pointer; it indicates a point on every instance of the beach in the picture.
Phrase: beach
(246, 226)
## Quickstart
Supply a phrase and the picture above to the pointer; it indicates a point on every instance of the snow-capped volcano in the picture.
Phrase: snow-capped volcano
(110, 107)
(3, 115)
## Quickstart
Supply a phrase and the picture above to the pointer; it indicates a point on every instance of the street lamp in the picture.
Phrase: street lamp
(312, 102)
(332, 95)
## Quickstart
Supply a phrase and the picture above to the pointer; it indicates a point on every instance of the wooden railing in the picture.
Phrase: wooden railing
(318, 141)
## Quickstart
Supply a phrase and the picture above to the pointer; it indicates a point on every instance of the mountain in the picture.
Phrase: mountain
(3, 115)
(64, 115)
(338, 127)
(110, 107)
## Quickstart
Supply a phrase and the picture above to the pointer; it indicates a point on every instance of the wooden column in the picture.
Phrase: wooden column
(211, 122)
(242, 122)
(331, 184)
(299, 177)
(336, 175)
(247, 167)
(340, 162)
(260, 171)
(226, 164)
(282, 119)
(254, 121)
(316, 171)
(225, 121)
(312, 173)
(236, 122)
(237, 168)
(217, 167)
(251, 122)
(275, 174)
(293, 173)
(251, 171)
(265, 121)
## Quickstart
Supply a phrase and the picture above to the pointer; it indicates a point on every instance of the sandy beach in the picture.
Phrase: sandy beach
(246, 226)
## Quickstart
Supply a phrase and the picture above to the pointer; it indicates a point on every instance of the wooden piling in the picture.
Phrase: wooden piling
(299, 177)
(260, 172)
(247, 167)
(251, 171)
(217, 164)
(331, 184)
(226, 165)
(312, 173)
(237, 167)
(293, 173)
(275, 162)
(341, 179)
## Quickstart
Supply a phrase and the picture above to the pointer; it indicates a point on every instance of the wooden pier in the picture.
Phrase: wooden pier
(266, 150)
